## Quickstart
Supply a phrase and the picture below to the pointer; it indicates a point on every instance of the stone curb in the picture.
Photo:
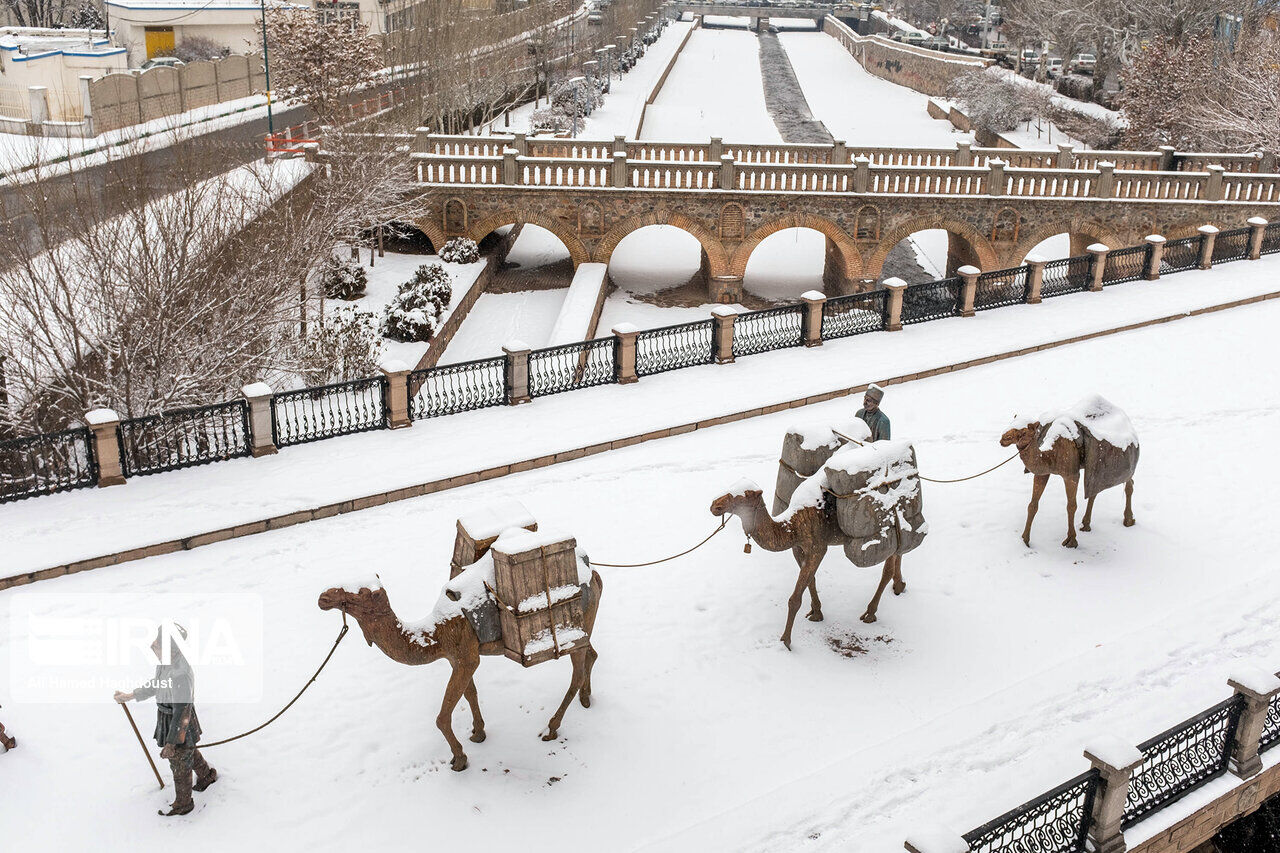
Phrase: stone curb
(355, 504)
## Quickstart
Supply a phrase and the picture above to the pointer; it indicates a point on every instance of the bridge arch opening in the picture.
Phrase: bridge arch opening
(660, 259)
(784, 263)
(527, 256)
(924, 251)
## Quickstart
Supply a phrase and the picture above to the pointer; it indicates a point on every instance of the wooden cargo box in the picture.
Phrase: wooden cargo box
(479, 529)
(540, 595)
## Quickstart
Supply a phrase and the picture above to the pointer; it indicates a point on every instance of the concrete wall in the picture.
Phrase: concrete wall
(666, 72)
(927, 71)
(119, 100)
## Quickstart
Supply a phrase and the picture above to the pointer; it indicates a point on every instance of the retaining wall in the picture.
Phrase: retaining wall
(927, 71)
(120, 100)
(666, 72)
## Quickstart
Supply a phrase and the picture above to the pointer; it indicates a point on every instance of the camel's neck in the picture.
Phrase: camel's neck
(760, 526)
(388, 633)
(1037, 461)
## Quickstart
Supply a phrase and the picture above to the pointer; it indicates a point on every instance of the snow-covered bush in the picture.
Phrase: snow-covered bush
(343, 278)
(577, 97)
(416, 311)
(87, 17)
(1076, 86)
(994, 101)
(549, 120)
(342, 346)
(460, 250)
(199, 48)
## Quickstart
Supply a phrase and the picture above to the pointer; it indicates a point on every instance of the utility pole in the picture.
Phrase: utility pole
(266, 70)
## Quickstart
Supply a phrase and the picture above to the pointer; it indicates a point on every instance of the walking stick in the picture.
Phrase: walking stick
(141, 743)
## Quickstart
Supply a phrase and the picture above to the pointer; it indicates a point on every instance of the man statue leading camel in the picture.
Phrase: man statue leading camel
(870, 414)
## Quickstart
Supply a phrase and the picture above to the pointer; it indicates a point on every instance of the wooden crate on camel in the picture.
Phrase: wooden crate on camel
(541, 592)
(480, 528)
(879, 505)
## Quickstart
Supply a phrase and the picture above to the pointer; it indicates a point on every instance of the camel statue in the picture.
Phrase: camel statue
(455, 640)
(1092, 436)
(808, 531)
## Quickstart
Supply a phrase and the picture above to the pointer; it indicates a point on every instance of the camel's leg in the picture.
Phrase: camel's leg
(1088, 514)
(477, 721)
(1128, 504)
(1037, 489)
(885, 576)
(815, 606)
(579, 659)
(899, 585)
(1071, 483)
(453, 692)
(807, 570)
(584, 695)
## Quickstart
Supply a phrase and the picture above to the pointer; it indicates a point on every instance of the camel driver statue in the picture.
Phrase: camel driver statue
(871, 415)
(177, 727)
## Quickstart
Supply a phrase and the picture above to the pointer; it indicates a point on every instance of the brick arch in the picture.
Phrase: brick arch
(844, 243)
(578, 253)
(1092, 231)
(978, 242)
(431, 227)
(717, 257)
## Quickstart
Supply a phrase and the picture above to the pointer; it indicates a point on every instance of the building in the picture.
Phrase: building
(54, 60)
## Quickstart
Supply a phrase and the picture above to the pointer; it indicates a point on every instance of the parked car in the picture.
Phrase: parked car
(1030, 57)
(163, 62)
(1082, 63)
(1054, 66)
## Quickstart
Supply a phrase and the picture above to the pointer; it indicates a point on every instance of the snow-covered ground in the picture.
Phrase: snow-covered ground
(499, 318)
(976, 690)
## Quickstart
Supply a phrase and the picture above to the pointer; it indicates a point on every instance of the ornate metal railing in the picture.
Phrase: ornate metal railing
(773, 328)
(674, 347)
(46, 463)
(571, 366)
(1128, 264)
(184, 437)
(1182, 759)
(310, 414)
(1054, 822)
(1066, 275)
(1271, 238)
(1001, 287)
(843, 316)
(933, 301)
(1271, 726)
(1232, 245)
(1181, 254)
(452, 388)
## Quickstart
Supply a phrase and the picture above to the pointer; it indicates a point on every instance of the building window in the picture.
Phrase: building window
(338, 10)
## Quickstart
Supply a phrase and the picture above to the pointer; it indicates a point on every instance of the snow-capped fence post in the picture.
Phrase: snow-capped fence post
(516, 372)
(1213, 187)
(510, 168)
(1258, 689)
(964, 153)
(969, 274)
(105, 426)
(1115, 762)
(839, 152)
(995, 176)
(723, 317)
(1259, 229)
(1097, 264)
(811, 319)
(1166, 158)
(1155, 256)
(618, 170)
(715, 150)
(861, 173)
(1106, 185)
(261, 435)
(1208, 235)
(1066, 158)
(1035, 277)
(625, 359)
(620, 145)
(397, 402)
(896, 288)
(728, 172)
(520, 142)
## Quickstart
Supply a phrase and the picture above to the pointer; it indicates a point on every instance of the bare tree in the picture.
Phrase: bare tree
(39, 13)
(321, 62)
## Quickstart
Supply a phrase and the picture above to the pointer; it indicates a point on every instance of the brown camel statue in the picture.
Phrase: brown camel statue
(808, 531)
(1065, 445)
(455, 640)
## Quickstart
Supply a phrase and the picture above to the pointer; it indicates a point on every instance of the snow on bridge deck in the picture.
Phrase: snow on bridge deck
(977, 690)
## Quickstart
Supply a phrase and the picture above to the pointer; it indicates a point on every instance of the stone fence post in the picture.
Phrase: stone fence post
(262, 441)
(618, 173)
(1106, 179)
(995, 176)
(1166, 158)
(970, 275)
(86, 104)
(723, 317)
(1258, 689)
(1208, 235)
(1066, 157)
(620, 145)
(964, 153)
(811, 319)
(1155, 257)
(105, 426)
(1097, 264)
(728, 172)
(516, 372)
(1115, 760)
(715, 150)
(1035, 277)
(1259, 230)
(626, 362)
(520, 142)
(397, 374)
(510, 167)
(861, 173)
(839, 152)
(1213, 188)
(896, 287)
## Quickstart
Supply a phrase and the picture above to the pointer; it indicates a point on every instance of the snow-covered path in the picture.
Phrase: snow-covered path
(978, 688)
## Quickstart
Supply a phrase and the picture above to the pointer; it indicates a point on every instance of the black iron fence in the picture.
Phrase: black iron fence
(1271, 238)
(310, 414)
(999, 288)
(1066, 275)
(453, 388)
(933, 301)
(1271, 727)
(1232, 245)
(843, 316)
(1181, 254)
(46, 463)
(184, 437)
(1057, 821)
(674, 347)
(572, 366)
(1129, 264)
(770, 329)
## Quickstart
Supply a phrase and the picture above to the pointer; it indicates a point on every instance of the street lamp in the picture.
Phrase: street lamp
(578, 84)
(266, 67)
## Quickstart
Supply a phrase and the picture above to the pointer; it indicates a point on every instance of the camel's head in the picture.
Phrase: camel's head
(744, 493)
(1020, 434)
(366, 604)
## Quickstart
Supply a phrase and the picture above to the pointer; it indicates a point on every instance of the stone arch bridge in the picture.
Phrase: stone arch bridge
(995, 204)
